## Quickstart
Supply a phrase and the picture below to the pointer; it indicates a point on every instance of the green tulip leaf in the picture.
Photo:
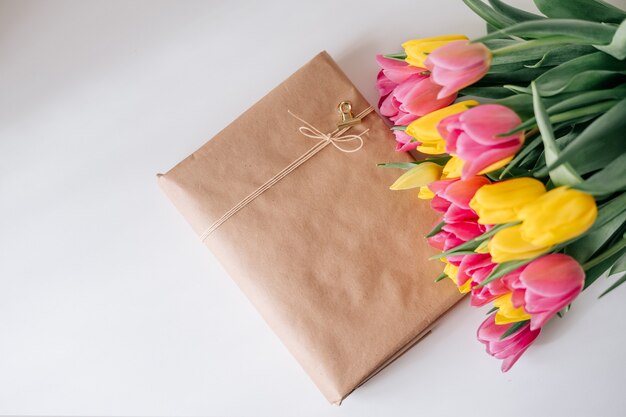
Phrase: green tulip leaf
(513, 13)
(469, 246)
(586, 98)
(608, 180)
(489, 15)
(617, 47)
(515, 327)
(573, 116)
(522, 104)
(518, 52)
(399, 165)
(569, 30)
(616, 284)
(538, 170)
(532, 153)
(398, 57)
(521, 75)
(439, 160)
(595, 272)
(619, 266)
(517, 89)
(584, 248)
(594, 10)
(441, 277)
(603, 262)
(500, 43)
(563, 174)
(599, 144)
(584, 73)
(521, 155)
(486, 92)
(492, 310)
(503, 269)
(564, 53)
(507, 69)
(436, 229)
(610, 210)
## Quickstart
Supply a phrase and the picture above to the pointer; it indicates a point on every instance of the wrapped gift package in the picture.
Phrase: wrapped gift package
(302, 219)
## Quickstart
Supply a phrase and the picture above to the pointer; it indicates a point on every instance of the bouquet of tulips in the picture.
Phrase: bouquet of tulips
(524, 132)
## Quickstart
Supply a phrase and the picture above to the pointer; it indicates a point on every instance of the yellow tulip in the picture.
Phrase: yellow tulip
(417, 50)
(557, 216)
(452, 272)
(497, 165)
(501, 202)
(507, 313)
(418, 176)
(452, 168)
(424, 129)
(425, 193)
(508, 245)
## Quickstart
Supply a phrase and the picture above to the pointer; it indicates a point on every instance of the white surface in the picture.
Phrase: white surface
(109, 305)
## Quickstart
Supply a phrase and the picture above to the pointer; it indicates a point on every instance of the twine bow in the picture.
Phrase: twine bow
(335, 138)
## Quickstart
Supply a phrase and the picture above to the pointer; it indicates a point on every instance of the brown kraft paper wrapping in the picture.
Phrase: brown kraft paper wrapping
(333, 260)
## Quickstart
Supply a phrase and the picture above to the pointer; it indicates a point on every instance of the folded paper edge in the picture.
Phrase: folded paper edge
(398, 353)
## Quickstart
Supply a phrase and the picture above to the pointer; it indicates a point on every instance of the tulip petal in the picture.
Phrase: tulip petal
(484, 123)
(508, 245)
(420, 175)
(553, 275)
(462, 191)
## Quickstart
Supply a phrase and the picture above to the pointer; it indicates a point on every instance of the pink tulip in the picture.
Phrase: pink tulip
(452, 198)
(455, 233)
(476, 268)
(405, 92)
(472, 266)
(405, 142)
(458, 65)
(511, 347)
(545, 286)
(473, 136)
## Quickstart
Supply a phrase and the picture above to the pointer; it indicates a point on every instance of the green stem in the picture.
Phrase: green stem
(605, 255)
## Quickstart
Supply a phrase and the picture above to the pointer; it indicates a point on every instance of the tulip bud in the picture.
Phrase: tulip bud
(425, 130)
(475, 137)
(545, 286)
(457, 65)
(419, 176)
(510, 348)
(539, 290)
(559, 215)
(508, 245)
(507, 312)
(501, 202)
(417, 50)
(404, 142)
(452, 168)
(406, 93)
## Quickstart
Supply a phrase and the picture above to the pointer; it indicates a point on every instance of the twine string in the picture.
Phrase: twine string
(335, 138)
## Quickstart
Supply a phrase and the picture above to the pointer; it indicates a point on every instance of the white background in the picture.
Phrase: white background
(109, 305)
